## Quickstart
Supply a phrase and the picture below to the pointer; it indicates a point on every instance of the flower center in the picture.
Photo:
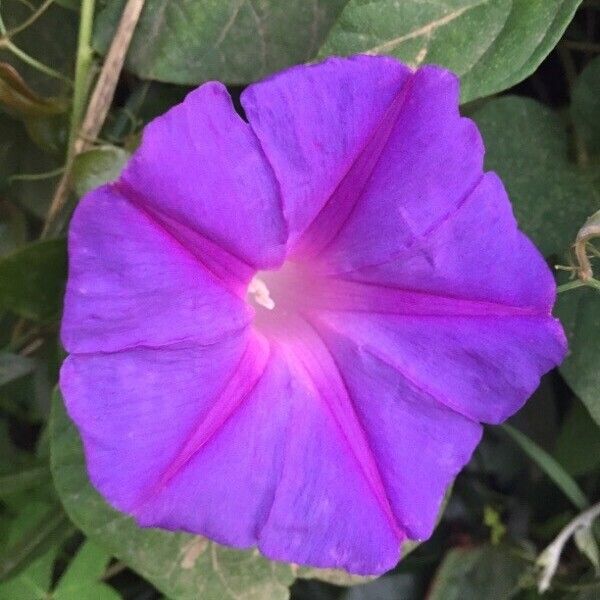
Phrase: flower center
(277, 296)
(259, 293)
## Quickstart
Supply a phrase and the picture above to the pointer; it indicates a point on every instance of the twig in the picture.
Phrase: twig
(6, 42)
(590, 230)
(98, 106)
(107, 82)
(36, 176)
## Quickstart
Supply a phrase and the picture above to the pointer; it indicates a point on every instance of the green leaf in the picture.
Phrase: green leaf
(467, 572)
(33, 582)
(23, 479)
(96, 167)
(231, 40)
(491, 44)
(13, 366)
(82, 577)
(585, 106)
(73, 5)
(13, 226)
(401, 586)
(587, 592)
(577, 446)
(32, 280)
(527, 145)
(587, 545)
(89, 563)
(20, 156)
(20, 100)
(550, 466)
(41, 534)
(579, 312)
(181, 566)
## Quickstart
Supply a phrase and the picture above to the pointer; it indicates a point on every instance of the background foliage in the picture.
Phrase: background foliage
(530, 72)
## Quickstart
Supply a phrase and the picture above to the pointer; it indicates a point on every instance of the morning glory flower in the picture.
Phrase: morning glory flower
(285, 330)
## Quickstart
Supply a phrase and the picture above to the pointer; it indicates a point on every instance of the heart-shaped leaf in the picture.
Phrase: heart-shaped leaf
(491, 44)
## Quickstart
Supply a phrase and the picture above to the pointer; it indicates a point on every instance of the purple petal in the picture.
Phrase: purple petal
(313, 122)
(423, 169)
(476, 253)
(201, 167)
(135, 408)
(482, 366)
(131, 283)
(419, 444)
(240, 461)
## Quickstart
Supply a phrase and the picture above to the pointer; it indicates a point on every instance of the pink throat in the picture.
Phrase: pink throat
(279, 297)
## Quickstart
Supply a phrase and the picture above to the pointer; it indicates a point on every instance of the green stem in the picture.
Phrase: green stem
(36, 176)
(31, 19)
(82, 70)
(593, 283)
(550, 466)
(32, 62)
(569, 286)
(578, 283)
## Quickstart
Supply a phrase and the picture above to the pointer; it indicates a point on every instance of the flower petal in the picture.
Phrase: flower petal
(430, 161)
(477, 253)
(131, 283)
(136, 408)
(315, 519)
(482, 366)
(420, 445)
(314, 122)
(201, 167)
(255, 460)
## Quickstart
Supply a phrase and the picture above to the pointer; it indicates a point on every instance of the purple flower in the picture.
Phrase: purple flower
(286, 332)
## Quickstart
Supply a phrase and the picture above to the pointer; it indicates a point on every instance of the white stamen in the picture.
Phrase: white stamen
(258, 288)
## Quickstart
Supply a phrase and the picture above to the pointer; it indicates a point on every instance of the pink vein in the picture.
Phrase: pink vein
(237, 390)
(342, 409)
(219, 262)
(337, 209)
(353, 296)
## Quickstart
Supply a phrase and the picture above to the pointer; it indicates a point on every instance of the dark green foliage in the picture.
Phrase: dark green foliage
(58, 538)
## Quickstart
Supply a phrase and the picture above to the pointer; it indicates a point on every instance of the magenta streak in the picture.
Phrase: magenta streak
(344, 295)
(319, 365)
(239, 388)
(330, 220)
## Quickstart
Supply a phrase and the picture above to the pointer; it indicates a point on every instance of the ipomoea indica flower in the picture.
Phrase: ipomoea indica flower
(286, 332)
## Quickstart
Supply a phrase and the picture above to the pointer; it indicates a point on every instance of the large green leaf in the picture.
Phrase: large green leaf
(577, 447)
(491, 44)
(180, 565)
(466, 573)
(32, 280)
(231, 40)
(527, 145)
(579, 311)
